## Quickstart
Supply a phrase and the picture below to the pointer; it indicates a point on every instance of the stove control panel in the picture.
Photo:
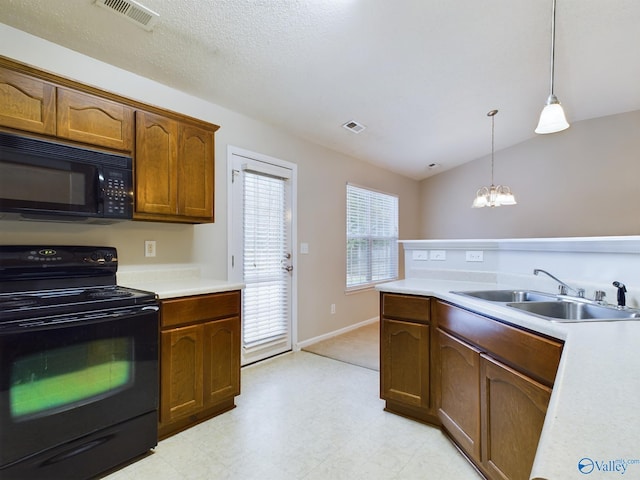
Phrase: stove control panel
(21, 262)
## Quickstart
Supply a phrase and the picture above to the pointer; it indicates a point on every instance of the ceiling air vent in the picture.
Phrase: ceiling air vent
(354, 126)
(132, 11)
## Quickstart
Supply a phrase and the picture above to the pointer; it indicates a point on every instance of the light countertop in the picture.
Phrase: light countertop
(593, 418)
(173, 281)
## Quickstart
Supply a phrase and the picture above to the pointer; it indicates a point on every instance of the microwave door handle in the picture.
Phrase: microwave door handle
(100, 188)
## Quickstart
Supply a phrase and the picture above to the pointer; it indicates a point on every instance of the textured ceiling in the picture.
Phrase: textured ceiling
(420, 74)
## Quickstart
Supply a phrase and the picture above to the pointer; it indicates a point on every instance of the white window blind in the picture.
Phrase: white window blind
(265, 305)
(372, 237)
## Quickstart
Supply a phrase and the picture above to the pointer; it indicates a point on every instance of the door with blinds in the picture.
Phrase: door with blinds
(261, 250)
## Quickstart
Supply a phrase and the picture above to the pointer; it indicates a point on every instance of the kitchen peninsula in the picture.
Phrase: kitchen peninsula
(591, 422)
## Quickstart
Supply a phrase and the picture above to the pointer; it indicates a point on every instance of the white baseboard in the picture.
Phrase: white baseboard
(300, 345)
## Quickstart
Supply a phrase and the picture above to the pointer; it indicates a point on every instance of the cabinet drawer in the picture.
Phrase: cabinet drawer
(406, 307)
(200, 308)
(532, 354)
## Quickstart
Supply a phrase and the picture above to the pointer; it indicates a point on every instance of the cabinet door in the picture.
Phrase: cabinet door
(459, 392)
(181, 372)
(156, 164)
(405, 362)
(88, 119)
(221, 360)
(513, 407)
(195, 172)
(27, 103)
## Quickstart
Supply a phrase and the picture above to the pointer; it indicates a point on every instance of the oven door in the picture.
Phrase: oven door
(65, 377)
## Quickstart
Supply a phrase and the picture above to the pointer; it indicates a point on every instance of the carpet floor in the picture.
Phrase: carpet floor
(359, 347)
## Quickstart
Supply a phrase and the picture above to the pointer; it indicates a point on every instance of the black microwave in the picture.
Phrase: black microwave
(44, 180)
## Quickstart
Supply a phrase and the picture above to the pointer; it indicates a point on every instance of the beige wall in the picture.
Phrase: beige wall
(584, 181)
(322, 176)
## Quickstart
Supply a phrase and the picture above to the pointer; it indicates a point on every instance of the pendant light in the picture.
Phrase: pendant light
(552, 118)
(493, 196)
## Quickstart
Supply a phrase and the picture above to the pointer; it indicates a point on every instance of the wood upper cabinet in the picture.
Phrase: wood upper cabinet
(27, 103)
(195, 171)
(199, 359)
(156, 164)
(90, 119)
(513, 411)
(34, 105)
(174, 166)
(459, 391)
(174, 170)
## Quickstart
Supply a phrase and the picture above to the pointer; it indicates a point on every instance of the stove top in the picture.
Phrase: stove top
(19, 305)
(38, 281)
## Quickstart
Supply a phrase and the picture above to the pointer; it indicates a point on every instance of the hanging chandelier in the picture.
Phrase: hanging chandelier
(552, 118)
(495, 195)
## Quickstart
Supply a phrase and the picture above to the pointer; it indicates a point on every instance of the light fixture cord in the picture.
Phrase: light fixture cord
(553, 41)
(492, 143)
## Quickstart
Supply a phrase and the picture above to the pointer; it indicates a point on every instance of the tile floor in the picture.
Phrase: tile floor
(303, 416)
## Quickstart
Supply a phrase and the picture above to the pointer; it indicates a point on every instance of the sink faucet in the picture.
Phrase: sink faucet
(622, 300)
(564, 288)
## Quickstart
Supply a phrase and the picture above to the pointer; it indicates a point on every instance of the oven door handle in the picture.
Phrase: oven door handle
(69, 320)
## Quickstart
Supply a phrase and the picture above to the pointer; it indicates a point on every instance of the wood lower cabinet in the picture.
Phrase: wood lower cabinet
(513, 407)
(174, 170)
(199, 359)
(459, 392)
(494, 382)
(405, 356)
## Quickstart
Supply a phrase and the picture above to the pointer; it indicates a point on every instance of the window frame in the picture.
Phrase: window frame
(390, 271)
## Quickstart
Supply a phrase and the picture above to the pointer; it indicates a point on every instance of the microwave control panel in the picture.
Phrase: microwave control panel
(118, 195)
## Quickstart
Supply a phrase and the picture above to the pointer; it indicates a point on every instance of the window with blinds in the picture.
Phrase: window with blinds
(372, 237)
(267, 283)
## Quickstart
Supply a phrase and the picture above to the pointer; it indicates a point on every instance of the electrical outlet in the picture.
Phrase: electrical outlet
(420, 255)
(333, 308)
(437, 254)
(149, 248)
(475, 256)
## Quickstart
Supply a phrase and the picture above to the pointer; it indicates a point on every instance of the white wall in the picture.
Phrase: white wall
(322, 176)
(584, 181)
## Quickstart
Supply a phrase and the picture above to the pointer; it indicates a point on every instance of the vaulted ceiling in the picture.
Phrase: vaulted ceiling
(419, 74)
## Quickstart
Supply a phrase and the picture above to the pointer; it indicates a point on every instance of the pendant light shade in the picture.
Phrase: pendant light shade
(552, 118)
(495, 195)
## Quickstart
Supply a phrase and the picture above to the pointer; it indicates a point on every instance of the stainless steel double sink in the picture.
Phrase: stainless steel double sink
(555, 308)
